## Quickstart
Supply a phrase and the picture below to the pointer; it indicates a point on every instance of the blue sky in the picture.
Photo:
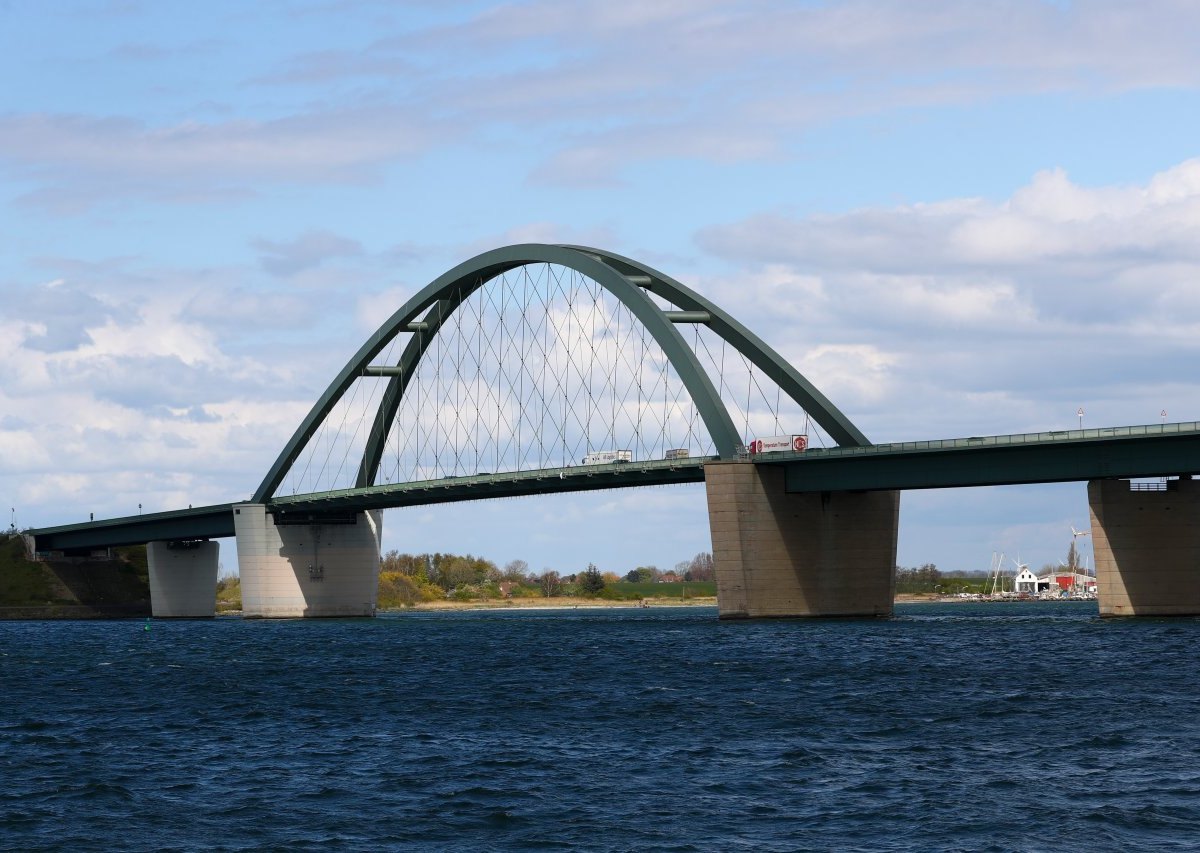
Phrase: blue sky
(979, 217)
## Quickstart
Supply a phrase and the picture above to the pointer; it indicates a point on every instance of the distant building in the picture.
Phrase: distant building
(1067, 583)
(1027, 582)
(1060, 583)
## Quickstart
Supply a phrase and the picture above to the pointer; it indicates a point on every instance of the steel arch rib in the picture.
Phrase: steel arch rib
(460, 282)
(824, 412)
(397, 385)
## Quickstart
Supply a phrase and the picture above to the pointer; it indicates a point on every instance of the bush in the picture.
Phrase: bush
(229, 593)
(397, 589)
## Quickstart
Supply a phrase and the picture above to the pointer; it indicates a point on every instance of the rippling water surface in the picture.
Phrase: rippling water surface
(974, 727)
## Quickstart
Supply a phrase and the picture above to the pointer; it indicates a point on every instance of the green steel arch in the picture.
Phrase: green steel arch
(626, 280)
(793, 383)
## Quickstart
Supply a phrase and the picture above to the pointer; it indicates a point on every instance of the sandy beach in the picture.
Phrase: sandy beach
(559, 603)
(575, 603)
(568, 603)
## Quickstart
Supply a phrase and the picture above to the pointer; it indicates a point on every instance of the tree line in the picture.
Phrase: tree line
(927, 578)
(923, 578)
(406, 579)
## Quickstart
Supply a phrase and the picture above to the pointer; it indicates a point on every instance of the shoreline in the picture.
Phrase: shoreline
(557, 603)
(77, 612)
(574, 603)
(566, 603)
(930, 598)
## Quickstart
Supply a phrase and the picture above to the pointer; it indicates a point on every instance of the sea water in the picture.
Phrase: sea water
(948, 727)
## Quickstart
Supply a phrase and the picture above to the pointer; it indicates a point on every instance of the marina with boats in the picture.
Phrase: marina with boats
(1074, 578)
(1073, 582)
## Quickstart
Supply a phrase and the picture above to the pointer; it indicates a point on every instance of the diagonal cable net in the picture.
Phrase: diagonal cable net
(537, 369)
(331, 457)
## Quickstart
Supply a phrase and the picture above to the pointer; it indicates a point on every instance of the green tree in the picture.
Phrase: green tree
(457, 571)
(591, 581)
(642, 574)
(412, 565)
(550, 583)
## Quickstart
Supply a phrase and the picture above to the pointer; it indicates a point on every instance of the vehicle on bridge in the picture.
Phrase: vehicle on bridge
(677, 453)
(780, 444)
(604, 457)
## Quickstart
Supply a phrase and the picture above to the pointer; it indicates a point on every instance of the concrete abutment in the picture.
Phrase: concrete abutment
(309, 569)
(183, 578)
(778, 554)
(1147, 547)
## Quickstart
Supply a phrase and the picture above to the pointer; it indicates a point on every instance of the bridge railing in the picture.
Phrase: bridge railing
(483, 482)
(1156, 486)
(1049, 436)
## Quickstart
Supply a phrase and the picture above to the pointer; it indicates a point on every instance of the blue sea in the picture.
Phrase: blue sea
(948, 727)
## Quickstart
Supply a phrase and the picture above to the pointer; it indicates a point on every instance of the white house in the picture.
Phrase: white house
(1027, 581)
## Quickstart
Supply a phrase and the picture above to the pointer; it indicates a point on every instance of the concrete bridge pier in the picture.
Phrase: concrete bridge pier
(807, 554)
(1147, 546)
(326, 567)
(183, 578)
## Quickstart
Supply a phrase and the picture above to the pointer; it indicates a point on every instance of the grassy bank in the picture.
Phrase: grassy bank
(72, 588)
(27, 584)
(632, 591)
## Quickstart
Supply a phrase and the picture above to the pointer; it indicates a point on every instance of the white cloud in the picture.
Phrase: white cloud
(594, 87)
(143, 398)
(1008, 314)
(155, 333)
(855, 375)
(1049, 221)
(724, 82)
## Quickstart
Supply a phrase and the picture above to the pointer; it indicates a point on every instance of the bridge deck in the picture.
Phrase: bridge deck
(1154, 450)
(1056, 456)
(576, 478)
(216, 522)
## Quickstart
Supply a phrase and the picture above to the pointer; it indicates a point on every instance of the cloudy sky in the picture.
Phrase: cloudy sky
(956, 218)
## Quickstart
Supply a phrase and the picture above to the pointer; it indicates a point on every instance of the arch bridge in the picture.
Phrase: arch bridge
(535, 369)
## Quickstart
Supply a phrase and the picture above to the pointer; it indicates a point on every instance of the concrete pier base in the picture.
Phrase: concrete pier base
(183, 578)
(779, 554)
(1147, 546)
(287, 571)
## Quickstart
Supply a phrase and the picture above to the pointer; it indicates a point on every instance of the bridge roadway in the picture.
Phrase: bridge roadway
(1059, 456)
(1154, 450)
